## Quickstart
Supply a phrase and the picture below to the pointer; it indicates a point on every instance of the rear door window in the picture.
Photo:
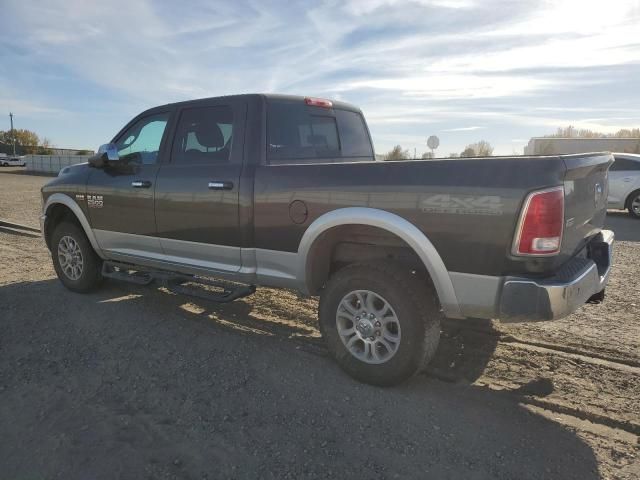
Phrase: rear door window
(297, 133)
(203, 135)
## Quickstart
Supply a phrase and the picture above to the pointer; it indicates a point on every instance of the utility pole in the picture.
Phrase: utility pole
(13, 135)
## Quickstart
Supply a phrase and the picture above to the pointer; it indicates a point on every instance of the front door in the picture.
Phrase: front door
(196, 203)
(120, 196)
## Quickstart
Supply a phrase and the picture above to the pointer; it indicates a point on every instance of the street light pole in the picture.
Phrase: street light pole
(13, 135)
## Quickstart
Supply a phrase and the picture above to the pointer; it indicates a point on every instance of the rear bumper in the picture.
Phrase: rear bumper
(522, 299)
(525, 300)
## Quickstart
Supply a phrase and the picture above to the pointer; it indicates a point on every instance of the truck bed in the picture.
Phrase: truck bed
(468, 208)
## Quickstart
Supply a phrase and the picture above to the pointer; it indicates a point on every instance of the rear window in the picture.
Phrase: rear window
(297, 133)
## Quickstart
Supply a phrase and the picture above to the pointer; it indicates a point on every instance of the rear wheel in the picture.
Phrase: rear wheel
(381, 322)
(76, 263)
(633, 204)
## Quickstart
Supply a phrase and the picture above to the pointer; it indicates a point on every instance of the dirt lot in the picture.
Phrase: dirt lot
(134, 382)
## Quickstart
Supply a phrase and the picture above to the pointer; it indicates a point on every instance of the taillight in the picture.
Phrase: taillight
(318, 102)
(540, 225)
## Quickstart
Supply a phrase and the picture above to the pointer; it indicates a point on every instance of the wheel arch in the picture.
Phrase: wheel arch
(60, 206)
(312, 246)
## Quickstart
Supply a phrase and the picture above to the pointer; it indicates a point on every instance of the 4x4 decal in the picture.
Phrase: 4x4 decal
(462, 205)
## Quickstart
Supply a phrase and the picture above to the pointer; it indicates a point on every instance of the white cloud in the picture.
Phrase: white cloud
(360, 7)
(464, 129)
(448, 86)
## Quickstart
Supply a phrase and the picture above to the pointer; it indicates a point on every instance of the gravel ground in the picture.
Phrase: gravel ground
(135, 382)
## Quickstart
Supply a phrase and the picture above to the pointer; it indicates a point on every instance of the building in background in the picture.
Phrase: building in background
(558, 145)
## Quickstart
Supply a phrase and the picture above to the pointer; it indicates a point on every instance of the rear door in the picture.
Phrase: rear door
(196, 198)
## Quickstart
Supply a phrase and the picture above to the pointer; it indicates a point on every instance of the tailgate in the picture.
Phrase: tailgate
(586, 187)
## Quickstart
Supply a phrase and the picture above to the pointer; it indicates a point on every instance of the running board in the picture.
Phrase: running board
(224, 293)
(124, 274)
(200, 287)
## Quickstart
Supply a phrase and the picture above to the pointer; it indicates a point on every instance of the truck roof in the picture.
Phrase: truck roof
(267, 97)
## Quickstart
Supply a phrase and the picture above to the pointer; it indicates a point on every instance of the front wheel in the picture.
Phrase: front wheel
(634, 204)
(381, 322)
(76, 263)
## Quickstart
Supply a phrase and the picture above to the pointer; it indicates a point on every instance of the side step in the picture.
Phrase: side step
(180, 284)
(122, 273)
(224, 292)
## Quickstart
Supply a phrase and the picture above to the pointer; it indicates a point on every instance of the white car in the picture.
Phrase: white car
(12, 162)
(624, 183)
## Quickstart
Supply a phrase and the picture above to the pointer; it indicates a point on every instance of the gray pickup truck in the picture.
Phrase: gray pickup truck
(215, 196)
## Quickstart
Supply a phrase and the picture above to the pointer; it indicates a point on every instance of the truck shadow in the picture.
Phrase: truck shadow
(191, 377)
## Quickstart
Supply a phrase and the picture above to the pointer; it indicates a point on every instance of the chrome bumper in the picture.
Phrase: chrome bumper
(526, 300)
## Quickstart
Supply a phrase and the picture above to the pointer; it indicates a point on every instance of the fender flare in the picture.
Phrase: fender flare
(394, 224)
(67, 201)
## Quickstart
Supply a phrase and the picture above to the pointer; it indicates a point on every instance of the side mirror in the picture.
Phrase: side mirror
(107, 153)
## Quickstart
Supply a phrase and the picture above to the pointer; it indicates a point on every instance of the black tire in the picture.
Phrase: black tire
(634, 197)
(416, 308)
(91, 273)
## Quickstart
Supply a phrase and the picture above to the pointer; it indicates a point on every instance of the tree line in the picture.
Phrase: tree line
(573, 132)
(478, 149)
(26, 142)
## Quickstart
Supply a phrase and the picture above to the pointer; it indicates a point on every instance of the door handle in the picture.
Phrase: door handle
(627, 179)
(220, 185)
(141, 184)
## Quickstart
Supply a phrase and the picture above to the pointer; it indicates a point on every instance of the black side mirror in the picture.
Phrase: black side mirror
(107, 153)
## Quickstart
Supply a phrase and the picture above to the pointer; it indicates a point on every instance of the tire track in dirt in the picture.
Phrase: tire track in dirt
(601, 391)
(513, 339)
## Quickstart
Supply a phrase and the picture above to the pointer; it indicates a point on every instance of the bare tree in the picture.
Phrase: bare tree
(397, 153)
(478, 149)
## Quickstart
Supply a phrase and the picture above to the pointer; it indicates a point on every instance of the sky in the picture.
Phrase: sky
(75, 71)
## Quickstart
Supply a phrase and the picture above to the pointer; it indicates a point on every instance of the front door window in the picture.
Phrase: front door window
(141, 142)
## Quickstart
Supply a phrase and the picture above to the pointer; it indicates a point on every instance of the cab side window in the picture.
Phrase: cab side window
(140, 143)
(203, 135)
(297, 133)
